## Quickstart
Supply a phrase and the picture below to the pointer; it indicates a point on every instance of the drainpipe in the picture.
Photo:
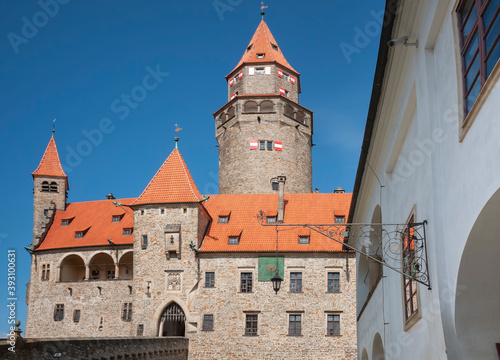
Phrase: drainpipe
(281, 198)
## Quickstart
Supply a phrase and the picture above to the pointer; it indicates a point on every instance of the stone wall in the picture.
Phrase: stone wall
(98, 349)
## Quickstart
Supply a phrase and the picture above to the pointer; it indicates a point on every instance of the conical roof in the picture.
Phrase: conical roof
(50, 165)
(263, 43)
(172, 183)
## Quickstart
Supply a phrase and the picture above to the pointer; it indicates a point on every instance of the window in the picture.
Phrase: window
(223, 219)
(45, 186)
(479, 23)
(333, 325)
(249, 47)
(410, 289)
(233, 240)
(260, 71)
(246, 282)
(45, 272)
(209, 279)
(111, 274)
(127, 312)
(271, 219)
(339, 219)
(269, 145)
(303, 239)
(142, 212)
(261, 56)
(275, 186)
(140, 330)
(262, 145)
(45, 212)
(59, 312)
(333, 282)
(117, 218)
(144, 242)
(275, 47)
(251, 324)
(127, 231)
(266, 144)
(296, 282)
(79, 234)
(53, 187)
(208, 322)
(76, 316)
(162, 211)
(295, 325)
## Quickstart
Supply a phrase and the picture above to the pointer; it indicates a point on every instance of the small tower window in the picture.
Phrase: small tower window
(45, 186)
(76, 315)
(261, 56)
(144, 244)
(260, 71)
(53, 187)
(249, 47)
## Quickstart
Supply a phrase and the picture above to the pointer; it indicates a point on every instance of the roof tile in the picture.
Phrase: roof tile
(50, 165)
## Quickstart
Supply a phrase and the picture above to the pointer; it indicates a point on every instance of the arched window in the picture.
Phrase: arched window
(230, 112)
(102, 267)
(53, 186)
(251, 106)
(288, 110)
(72, 269)
(300, 117)
(266, 106)
(126, 266)
(45, 186)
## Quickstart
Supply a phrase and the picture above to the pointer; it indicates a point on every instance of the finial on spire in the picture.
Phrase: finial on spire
(53, 126)
(262, 7)
(176, 139)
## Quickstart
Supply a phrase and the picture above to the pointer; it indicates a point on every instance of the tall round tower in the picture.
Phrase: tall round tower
(262, 130)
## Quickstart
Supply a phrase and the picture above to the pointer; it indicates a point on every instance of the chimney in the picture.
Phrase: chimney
(110, 196)
(281, 198)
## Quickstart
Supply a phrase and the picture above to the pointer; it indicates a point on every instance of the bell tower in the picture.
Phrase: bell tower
(262, 131)
(49, 190)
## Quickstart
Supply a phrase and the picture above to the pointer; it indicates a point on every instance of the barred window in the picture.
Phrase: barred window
(127, 312)
(296, 282)
(295, 325)
(209, 279)
(246, 282)
(59, 312)
(208, 322)
(333, 282)
(251, 324)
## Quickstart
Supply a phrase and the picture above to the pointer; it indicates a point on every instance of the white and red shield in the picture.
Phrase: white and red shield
(254, 144)
(278, 146)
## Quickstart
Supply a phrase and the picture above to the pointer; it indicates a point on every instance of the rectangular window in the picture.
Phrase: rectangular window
(479, 26)
(334, 282)
(409, 261)
(45, 272)
(296, 282)
(111, 274)
(246, 282)
(140, 330)
(260, 71)
(59, 312)
(303, 239)
(233, 240)
(269, 145)
(295, 325)
(208, 322)
(339, 219)
(271, 219)
(333, 326)
(251, 325)
(64, 222)
(223, 219)
(116, 218)
(209, 279)
(262, 145)
(127, 312)
(275, 186)
(79, 234)
(144, 242)
(76, 316)
(127, 231)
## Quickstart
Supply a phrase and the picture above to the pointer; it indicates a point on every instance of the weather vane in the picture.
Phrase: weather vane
(53, 126)
(262, 7)
(176, 139)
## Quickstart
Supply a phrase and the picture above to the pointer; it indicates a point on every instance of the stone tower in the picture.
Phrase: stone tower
(262, 131)
(49, 190)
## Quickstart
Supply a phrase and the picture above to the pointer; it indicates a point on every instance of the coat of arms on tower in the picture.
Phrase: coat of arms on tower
(174, 282)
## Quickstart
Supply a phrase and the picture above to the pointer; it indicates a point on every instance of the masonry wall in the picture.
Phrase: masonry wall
(229, 307)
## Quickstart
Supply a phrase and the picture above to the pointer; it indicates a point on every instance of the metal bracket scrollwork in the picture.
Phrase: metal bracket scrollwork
(399, 247)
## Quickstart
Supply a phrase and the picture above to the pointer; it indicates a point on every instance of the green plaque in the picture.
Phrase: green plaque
(267, 267)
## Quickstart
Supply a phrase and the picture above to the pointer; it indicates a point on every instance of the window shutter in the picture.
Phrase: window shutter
(268, 70)
(278, 146)
(292, 80)
(231, 82)
(254, 144)
(251, 71)
(280, 73)
(240, 75)
(282, 91)
(233, 96)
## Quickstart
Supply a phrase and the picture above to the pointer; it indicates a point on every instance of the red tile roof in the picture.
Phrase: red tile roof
(262, 43)
(50, 165)
(96, 216)
(171, 184)
(299, 209)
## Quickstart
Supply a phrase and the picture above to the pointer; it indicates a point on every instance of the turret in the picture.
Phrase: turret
(49, 191)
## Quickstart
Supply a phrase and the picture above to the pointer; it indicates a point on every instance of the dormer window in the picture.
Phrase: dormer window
(339, 219)
(249, 47)
(275, 47)
(223, 219)
(233, 240)
(303, 239)
(117, 218)
(79, 234)
(66, 222)
(261, 56)
(271, 219)
(127, 231)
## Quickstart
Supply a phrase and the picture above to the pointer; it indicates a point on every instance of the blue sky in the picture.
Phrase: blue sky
(75, 60)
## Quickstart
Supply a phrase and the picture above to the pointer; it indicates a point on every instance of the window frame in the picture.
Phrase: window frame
(208, 322)
(252, 324)
(233, 240)
(45, 273)
(333, 319)
(127, 311)
(223, 219)
(246, 284)
(297, 319)
(210, 281)
(144, 242)
(127, 231)
(59, 312)
(332, 282)
(302, 242)
(296, 281)
(76, 315)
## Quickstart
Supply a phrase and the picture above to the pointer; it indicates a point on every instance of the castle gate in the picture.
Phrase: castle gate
(172, 321)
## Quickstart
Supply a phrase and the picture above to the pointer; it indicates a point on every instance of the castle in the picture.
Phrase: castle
(172, 262)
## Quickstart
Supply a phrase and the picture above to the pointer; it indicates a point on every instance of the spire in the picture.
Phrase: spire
(171, 184)
(263, 43)
(50, 165)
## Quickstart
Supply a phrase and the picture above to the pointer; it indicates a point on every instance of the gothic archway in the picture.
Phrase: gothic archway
(172, 321)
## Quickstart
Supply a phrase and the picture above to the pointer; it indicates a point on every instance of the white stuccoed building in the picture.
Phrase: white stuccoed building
(431, 153)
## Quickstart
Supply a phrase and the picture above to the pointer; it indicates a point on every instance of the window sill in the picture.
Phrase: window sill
(295, 335)
(333, 335)
(295, 292)
(208, 330)
(333, 292)
(248, 335)
(481, 99)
